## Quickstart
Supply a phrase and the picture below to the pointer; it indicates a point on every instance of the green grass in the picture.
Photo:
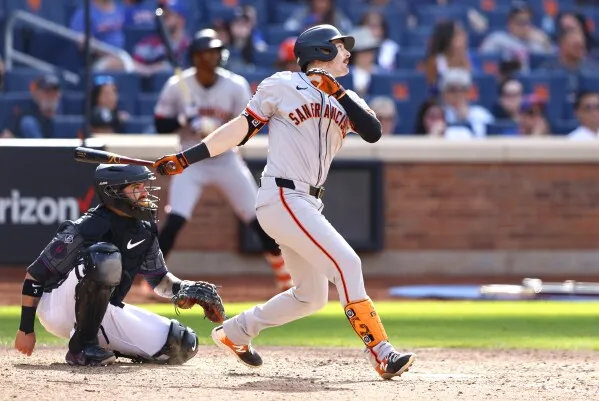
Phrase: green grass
(557, 325)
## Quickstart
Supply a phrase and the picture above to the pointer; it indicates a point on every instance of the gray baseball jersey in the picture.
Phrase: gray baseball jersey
(214, 105)
(306, 127)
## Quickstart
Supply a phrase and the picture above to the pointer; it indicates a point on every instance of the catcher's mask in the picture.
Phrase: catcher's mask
(111, 179)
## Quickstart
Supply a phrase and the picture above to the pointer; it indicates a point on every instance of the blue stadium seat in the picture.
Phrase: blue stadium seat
(564, 127)
(73, 103)
(275, 34)
(19, 80)
(48, 9)
(489, 62)
(484, 90)
(56, 51)
(401, 85)
(502, 127)
(146, 103)
(140, 125)
(218, 11)
(430, 15)
(10, 104)
(549, 86)
(347, 81)
(68, 126)
(418, 37)
(268, 58)
(537, 59)
(158, 80)
(406, 116)
(284, 10)
(411, 58)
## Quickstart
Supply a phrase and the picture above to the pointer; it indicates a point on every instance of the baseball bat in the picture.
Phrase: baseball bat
(88, 155)
(170, 54)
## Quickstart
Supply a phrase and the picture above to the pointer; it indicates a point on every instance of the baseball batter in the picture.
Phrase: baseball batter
(309, 115)
(194, 105)
(77, 284)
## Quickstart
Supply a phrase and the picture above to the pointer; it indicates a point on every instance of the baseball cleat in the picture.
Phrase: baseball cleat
(246, 354)
(92, 355)
(395, 364)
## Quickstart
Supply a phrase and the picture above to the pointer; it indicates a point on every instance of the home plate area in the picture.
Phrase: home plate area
(310, 373)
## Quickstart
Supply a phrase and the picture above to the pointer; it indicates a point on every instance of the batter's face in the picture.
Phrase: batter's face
(339, 66)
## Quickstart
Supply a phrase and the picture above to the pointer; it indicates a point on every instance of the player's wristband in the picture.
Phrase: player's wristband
(32, 288)
(27, 319)
(197, 153)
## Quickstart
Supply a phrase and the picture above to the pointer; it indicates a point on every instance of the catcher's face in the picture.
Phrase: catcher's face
(339, 66)
(138, 194)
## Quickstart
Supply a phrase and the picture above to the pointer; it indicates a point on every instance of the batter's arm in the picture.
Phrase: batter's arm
(363, 123)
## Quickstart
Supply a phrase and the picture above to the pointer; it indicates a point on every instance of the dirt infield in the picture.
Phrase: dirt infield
(315, 374)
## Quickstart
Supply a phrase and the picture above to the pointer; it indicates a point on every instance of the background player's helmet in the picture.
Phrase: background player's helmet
(206, 39)
(109, 181)
(315, 44)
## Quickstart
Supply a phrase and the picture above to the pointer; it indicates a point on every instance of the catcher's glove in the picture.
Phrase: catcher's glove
(203, 294)
(324, 81)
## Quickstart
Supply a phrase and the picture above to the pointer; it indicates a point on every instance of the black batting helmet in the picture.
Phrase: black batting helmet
(315, 44)
(206, 39)
(109, 181)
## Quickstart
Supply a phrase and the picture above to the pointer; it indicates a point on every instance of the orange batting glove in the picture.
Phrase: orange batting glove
(171, 164)
(324, 81)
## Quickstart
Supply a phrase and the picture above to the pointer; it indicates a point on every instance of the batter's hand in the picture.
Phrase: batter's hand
(324, 81)
(171, 164)
(25, 343)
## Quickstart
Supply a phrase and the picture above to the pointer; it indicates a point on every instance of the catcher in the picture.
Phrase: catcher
(78, 283)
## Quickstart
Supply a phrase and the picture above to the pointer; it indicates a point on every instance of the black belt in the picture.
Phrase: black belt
(317, 192)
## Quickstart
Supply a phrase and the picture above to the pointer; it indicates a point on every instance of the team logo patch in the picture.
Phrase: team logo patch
(350, 313)
(58, 250)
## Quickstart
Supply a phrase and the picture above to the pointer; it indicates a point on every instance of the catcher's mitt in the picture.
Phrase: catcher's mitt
(203, 294)
(324, 81)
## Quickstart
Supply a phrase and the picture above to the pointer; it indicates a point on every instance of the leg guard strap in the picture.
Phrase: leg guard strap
(366, 322)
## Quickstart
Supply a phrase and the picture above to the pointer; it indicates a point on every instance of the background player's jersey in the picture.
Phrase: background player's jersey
(136, 240)
(221, 102)
(306, 127)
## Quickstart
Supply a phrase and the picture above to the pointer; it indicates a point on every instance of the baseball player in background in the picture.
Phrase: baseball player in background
(78, 283)
(309, 115)
(194, 105)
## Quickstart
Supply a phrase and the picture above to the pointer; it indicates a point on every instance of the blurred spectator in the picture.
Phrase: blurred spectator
(519, 40)
(572, 59)
(386, 113)
(286, 60)
(430, 121)
(107, 19)
(138, 15)
(150, 53)
(106, 118)
(532, 120)
(375, 21)
(36, 119)
(455, 86)
(363, 60)
(448, 48)
(318, 12)
(509, 101)
(586, 106)
(573, 21)
(241, 38)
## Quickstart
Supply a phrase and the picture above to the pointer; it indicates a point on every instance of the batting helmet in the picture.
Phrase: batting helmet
(315, 44)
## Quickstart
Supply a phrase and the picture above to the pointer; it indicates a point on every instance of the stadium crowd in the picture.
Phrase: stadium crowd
(445, 68)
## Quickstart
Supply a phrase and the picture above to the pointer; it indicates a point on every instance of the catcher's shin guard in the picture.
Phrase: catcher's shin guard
(181, 345)
(366, 322)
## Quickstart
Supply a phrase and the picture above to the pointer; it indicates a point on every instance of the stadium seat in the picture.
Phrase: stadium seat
(489, 63)
(268, 58)
(140, 125)
(406, 116)
(68, 126)
(548, 86)
(411, 58)
(276, 33)
(73, 103)
(484, 90)
(401, 85)
(430, 15)
(538, 59)
(56, 51)
(158, 80)
(502, 127)
(418, 37)
(43, 8)
(146, 103)
(347, 81)
(19, 80)
(10, 104)
(284, 10)
(564, 127)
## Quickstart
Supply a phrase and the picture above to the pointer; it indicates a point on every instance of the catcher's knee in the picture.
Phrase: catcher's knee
(181, 345)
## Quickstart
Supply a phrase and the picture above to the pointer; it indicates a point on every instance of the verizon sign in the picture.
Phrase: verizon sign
(50, 188)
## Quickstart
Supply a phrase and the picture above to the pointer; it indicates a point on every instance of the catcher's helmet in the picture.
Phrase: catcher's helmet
(315, 44)
(109, 181)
